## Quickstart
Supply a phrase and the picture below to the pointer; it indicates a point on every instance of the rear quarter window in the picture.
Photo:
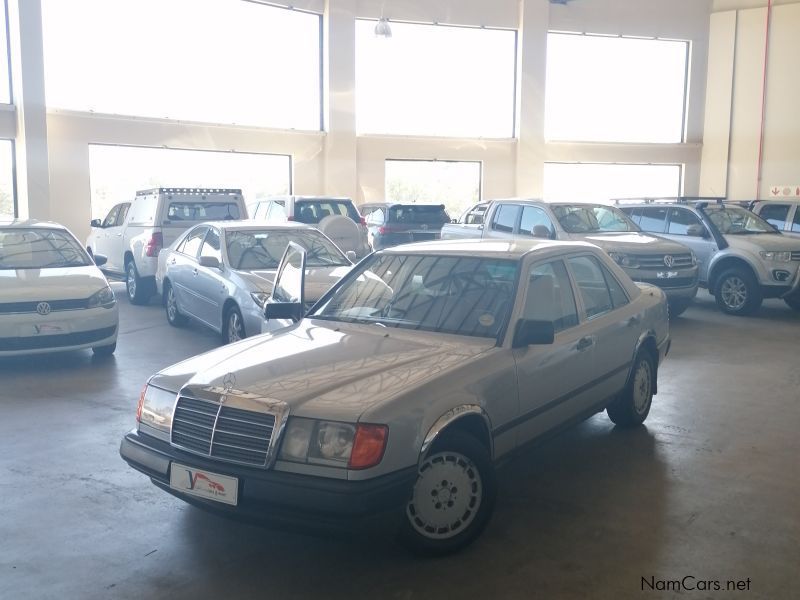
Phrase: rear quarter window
(203, 211)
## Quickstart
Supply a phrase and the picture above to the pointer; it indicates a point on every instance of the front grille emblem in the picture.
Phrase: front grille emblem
(43, 308)
(669, 260)
(229, 382)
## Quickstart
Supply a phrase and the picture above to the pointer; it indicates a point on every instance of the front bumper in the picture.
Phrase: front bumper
(681, 286)
(266, 495)
(31, 333)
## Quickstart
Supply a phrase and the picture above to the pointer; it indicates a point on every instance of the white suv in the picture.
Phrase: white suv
(338, 218)
(133, 233)
(783, 214)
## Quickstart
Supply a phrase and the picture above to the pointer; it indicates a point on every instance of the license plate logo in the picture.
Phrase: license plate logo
(204, 484)
(666, 274)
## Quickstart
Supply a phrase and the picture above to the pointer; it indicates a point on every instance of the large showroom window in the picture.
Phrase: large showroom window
(588, 182)
(7, 192)
(456, 184)
(435, 80)
(5, 71)
(117, 172)
(219, 61)
(615, 89)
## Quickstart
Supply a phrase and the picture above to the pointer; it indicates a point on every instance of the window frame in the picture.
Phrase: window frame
(517, 217)
(584, 316)
(677, 210)
(570, 283)
(13, 165)
(786, 218)
(182, 246)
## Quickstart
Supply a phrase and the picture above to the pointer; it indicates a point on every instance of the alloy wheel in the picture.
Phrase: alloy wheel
(734, 292)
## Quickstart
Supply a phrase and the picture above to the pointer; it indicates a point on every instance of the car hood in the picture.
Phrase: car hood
(318, 280)
(756, 242)
(630, 241)
(324, 369)
(68, 283)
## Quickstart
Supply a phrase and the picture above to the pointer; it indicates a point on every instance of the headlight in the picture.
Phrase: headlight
(260, 298)
(104, 298)
(624, 260)
(335, 444)
(777, 256)
(155, 408)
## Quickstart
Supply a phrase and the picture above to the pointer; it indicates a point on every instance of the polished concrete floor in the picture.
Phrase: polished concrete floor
(709, 489)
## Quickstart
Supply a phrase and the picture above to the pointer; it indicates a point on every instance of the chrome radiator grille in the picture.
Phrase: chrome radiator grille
(222, 432)
(656, 261)
(795, 255)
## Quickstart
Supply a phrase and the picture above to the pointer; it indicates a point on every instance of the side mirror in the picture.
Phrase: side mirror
(696, 231)
(100, 259)
(96, 223)
(454, 220)
(351, 256)
(528, 333)
(283, 310)
(212, 262)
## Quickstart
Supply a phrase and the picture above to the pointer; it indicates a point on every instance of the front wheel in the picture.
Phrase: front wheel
(452, 498)
(793, 301)
(633, 404)
(233, 326)
(737, 292)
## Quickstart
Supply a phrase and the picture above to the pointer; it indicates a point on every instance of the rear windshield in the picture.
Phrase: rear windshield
(203, 211)
(415, 214)
(40, 249)
(311, 212)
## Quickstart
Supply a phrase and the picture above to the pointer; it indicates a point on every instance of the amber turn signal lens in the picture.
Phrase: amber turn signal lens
(368, 446)
(141, 404)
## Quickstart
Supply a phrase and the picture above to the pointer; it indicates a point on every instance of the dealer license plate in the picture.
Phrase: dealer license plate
(204, 484)
(666, 274)
(47, 329)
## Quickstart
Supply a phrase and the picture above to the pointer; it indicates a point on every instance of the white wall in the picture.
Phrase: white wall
(339, 162)
(731, 162)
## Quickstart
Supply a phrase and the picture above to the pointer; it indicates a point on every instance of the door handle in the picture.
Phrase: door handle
(584, 343)
(173, 261)
(634, 320)
(194, 272)
(119, 235)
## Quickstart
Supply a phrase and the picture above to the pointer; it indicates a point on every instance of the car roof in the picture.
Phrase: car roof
(29, 223)
(489, 248)
(260, 225)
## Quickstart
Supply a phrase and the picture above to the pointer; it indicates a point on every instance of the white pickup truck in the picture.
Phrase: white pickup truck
(644, 257)
(133, 233)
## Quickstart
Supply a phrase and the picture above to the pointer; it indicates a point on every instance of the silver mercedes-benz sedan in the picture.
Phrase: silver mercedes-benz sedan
(221, 273)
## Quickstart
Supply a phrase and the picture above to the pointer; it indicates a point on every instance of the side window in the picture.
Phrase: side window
(796, 220)
(506, 218)
(775, 214)
(260, 213)
(375, 217)
(210, 247)
(635, 214)
(277, 212)
(549, 296)
(618, 295)
(474, 217)
(111, 217)
(680, 220)
(123, 212)
(592, 284)
(653, 218)
(535, 222)
(193, 241)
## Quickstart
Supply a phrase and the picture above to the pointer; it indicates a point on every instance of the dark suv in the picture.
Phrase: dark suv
(392, 224)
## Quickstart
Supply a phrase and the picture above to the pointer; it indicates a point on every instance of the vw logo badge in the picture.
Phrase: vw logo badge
(669, 260)
(424, 226)
(229, 381)
(43, 308)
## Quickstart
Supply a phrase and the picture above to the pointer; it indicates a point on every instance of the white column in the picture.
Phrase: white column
(339, 83)
(531, 68)
(27, 68)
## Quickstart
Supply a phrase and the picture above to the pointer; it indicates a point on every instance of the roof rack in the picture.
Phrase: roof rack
(669, 199)
(189, 191)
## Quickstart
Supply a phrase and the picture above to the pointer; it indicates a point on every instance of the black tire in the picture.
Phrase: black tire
(232, 325)
(174, 316)
(737, 292)
(679, 306)
(104, 351)
(426, 528)
(633, 404)
(793, 302)
(139, 289)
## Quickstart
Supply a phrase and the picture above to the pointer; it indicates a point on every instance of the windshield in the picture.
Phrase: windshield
(40, 249)
(253, 250)
(592, 218)
(446, 294)
(732, 220)
(418, 214)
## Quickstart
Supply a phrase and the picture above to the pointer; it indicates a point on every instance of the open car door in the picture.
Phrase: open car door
(288, 292)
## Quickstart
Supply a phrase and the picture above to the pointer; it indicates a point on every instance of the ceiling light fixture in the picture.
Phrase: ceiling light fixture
(382, 28)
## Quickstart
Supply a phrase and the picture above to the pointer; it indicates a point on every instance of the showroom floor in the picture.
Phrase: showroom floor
(708, 489)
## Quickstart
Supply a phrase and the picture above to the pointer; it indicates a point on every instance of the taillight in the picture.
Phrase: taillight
(141, 404)
(382, 230)
(154, 246)
(368, 446)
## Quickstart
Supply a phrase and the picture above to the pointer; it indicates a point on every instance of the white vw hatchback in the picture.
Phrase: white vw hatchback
(52, 295)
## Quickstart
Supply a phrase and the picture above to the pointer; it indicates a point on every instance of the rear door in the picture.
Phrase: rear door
(504, 221)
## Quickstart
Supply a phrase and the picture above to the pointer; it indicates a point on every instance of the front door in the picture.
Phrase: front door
(704, 247)
(209, 284)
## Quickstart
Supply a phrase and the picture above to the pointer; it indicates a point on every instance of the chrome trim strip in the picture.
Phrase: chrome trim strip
(451, 416)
